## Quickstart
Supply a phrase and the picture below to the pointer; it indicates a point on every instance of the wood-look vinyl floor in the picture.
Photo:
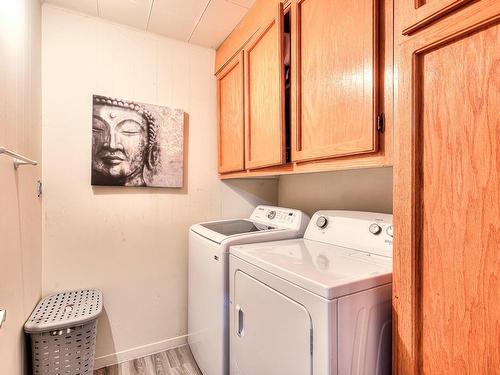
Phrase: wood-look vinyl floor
(177, 361)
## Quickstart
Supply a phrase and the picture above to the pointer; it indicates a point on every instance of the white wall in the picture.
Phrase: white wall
(129, 242)
(359, 190)
(20, 208)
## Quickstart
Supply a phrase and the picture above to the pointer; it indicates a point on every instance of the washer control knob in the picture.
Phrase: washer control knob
(375, 229)
(322, 222)
(390, 231)
(271, 215)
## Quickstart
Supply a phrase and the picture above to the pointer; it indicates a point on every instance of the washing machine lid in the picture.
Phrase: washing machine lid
(219, 231)
(326, 270)
(238, 226)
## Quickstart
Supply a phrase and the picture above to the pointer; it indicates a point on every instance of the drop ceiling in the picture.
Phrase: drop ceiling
(202, 22)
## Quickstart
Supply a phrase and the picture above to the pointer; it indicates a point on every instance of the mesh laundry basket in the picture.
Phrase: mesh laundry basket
(63, 333)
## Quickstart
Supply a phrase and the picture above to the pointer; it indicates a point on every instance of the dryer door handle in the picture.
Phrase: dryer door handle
(239, 324)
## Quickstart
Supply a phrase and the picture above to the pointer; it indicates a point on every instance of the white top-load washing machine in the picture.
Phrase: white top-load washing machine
(319, 305)
(208, 309)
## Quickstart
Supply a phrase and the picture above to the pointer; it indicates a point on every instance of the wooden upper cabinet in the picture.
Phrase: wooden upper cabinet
(264, 91)
(334, 78)
(230, 109)
(415, 14)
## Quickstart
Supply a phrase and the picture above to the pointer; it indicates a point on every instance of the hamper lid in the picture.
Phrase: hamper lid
(65, 310)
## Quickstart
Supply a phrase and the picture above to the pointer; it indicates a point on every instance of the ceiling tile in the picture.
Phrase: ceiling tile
(203, 22)
(220, 18)
(84, 6)
(176, 18)
(133, 13)
(243, 3)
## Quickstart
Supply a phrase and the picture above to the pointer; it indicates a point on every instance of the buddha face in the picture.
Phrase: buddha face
(119, 143)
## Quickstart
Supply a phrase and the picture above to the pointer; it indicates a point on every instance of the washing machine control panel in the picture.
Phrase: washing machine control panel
(366, 231)
(279, 217)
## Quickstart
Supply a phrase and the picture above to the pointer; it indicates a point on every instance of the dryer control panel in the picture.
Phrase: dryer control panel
(365, 231)
(280, 217)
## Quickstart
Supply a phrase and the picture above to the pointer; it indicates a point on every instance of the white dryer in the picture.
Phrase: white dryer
(320, 305)
(208, 310)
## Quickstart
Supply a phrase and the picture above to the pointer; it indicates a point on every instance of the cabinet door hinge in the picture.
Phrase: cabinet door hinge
(381, 123)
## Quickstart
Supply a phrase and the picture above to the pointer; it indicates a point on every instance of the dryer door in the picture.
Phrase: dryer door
(271, 334)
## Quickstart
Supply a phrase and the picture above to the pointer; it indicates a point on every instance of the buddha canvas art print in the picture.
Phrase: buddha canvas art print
(136, 144)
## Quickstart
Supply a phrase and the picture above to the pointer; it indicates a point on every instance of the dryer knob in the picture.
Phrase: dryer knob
(390, 231)
(322, 222)
(271, 215)
(375, 228)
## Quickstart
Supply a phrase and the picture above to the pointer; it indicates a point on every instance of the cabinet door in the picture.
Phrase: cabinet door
(447, 196)
(264, 93)
(415, 14)
(334, 78)
(230, 107)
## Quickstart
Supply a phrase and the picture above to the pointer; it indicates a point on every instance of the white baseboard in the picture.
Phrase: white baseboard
(138, 352)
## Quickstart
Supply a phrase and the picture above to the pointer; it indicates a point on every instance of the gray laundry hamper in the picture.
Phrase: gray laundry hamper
(63, 331)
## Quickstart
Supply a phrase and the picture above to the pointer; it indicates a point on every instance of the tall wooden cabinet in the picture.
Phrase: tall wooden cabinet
(334, 81)
(447, 193)
(230, 113)
(415, 14)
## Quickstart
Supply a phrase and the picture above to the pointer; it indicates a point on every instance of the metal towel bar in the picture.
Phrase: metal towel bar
(18, 159)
